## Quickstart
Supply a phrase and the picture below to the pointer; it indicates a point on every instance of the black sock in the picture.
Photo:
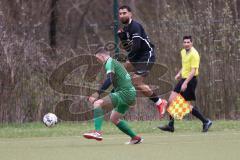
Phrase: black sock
(199, 115)
(171, 121)
(154, 98)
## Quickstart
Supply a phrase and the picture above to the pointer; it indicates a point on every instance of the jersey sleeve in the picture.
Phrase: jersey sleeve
(136, 31)
(109, 66)
(106, 83)
(195, 60)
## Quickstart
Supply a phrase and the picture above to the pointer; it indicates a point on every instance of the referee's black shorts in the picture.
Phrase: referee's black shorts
(143, 64)
(189, 93)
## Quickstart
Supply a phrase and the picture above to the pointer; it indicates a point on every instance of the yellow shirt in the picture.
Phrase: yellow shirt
(189, 60)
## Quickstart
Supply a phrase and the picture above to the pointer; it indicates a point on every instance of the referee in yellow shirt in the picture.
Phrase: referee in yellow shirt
(187, 83)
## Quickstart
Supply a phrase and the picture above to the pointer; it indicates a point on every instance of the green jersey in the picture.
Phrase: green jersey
(121, 79)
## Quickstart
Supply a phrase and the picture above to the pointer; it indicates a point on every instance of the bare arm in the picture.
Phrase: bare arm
(178, 76)
(191, 75)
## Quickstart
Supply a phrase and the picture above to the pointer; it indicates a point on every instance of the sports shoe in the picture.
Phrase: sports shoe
(135, 140)
(162, 107)
(167, 128)
(93, 135)
(206, 125)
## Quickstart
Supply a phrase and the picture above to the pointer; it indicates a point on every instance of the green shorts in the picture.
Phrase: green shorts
(121, 100)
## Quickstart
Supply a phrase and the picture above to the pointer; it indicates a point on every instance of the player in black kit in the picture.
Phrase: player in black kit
(141, 56)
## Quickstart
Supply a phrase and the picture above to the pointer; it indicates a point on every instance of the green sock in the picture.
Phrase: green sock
(123, 126)
(98, 118)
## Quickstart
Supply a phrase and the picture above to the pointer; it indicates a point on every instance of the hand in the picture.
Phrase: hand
(93, 97)
(122, 35)
(184, 86)
(126, 45)
(178, 77)
(120, 30)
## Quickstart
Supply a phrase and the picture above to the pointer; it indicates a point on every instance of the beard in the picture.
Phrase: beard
(125, 20)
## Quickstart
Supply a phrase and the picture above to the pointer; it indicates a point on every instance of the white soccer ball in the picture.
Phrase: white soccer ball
(50, 119)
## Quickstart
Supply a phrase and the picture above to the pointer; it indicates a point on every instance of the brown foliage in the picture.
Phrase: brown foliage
(34, 42)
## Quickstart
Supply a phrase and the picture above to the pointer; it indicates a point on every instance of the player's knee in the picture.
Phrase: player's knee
(114, 120)
(143, 88)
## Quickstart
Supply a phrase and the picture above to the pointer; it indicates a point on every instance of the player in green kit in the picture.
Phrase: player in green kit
(124, 95)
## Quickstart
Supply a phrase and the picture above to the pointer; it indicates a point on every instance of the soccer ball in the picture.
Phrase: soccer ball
(50, 119)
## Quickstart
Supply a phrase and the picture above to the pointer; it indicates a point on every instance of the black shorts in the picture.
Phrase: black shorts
(143, 64)
(189, 93)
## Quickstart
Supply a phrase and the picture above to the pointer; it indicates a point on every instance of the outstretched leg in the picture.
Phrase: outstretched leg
(124, 127)
(147, 91)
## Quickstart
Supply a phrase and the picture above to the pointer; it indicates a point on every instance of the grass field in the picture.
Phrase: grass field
(33, 141)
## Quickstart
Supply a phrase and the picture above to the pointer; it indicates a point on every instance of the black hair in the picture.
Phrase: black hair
(187, 37)
(125, 7)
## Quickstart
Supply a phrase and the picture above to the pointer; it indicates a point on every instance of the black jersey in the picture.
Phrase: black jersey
(141, 45)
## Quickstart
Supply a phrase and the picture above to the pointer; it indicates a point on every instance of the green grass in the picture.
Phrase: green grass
(75, 129)
(34, 141)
